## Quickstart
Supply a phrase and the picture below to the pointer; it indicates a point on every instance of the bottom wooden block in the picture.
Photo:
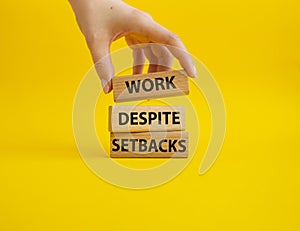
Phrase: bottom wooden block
(149, 144)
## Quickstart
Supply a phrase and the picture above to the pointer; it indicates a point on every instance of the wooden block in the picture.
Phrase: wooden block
(146, 118)
(149, 144)
(152, 85)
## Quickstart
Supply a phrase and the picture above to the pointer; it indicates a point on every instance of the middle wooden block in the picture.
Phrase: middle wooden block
(146, 118)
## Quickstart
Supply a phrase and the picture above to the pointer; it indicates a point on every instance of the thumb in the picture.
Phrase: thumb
(100, 51)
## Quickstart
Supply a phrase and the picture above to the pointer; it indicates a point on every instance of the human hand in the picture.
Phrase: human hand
(104, 21)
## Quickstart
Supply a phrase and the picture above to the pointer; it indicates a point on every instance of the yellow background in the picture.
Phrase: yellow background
(253, 50)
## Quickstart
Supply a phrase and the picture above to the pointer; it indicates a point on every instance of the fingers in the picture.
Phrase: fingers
(157, 33)
(138, 60)
(153, 60)
(185, 60)
(160, 59)
(137, 53)
(99, 49)
(164, 57)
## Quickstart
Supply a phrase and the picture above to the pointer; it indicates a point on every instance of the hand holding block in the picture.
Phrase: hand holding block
(146, 118)
(151, 85)
(149, 144)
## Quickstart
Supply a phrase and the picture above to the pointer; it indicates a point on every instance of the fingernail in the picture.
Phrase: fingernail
(195, 72)
(106, 89)
(105, 86)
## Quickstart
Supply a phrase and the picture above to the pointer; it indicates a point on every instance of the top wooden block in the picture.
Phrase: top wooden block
(151, 85)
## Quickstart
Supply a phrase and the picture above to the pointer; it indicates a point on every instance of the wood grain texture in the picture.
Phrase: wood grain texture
(149, 144)
(151, 85)
(146, 118)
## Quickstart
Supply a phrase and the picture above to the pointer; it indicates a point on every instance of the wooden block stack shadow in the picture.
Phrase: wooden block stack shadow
(148, 131)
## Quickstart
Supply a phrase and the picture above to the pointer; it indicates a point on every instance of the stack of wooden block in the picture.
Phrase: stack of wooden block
(148, 131)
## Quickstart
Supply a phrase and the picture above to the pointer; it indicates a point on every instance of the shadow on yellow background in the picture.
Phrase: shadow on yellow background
(253, 50)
